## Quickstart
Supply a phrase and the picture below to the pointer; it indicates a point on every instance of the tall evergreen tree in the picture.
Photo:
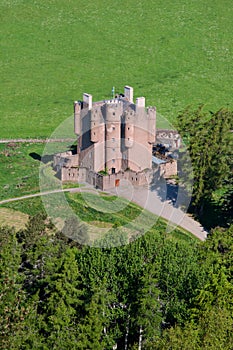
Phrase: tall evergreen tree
(209, 144)
(62, 307)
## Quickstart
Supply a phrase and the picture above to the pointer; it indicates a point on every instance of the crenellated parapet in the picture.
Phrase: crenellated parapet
(117, 133)
(113, 110)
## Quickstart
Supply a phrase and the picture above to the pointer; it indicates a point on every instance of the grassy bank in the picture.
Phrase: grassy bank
(88, 213)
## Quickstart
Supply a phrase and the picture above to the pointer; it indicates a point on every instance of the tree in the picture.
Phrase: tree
(96, 332)
(62, 307)
(147, 309)
(18, 321)
(209, 145)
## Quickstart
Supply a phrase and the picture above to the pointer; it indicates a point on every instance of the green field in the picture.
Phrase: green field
(175, 53)
(19, 170)
(19, 167)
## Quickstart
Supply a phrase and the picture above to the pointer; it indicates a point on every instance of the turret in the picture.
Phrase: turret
(129, 128)
(96, 123)
(113, 113)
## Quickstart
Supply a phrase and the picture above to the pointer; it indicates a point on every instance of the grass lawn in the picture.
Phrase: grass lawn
(173, 52)
(12, 217)
(19, 168)
(30, 206)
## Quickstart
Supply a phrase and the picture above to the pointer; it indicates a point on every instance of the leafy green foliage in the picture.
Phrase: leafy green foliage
(154, 293)
(209, 144)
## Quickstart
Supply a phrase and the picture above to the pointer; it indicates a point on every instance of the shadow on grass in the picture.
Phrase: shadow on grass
(46, 159)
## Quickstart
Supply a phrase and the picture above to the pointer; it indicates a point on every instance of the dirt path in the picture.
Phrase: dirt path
(73, 189)
(36, 140)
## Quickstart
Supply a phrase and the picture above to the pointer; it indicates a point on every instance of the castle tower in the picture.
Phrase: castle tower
(115, 134)
(113, 113)
(98, 138)
(139, 136)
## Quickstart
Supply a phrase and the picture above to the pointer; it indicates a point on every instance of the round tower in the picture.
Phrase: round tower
(113, 113)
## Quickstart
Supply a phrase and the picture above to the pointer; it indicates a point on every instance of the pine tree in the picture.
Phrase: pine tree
(62, 308)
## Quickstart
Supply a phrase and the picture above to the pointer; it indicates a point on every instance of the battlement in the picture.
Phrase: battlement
(118, 132)
(116, 136)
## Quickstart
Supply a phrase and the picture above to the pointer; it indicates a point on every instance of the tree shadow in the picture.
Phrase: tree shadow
(35, 156)
(211, 215)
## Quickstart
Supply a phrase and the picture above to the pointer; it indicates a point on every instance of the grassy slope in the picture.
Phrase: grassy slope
(19, 167)
(174, 52)
(19, 171)
(13, 218)
(96, 218)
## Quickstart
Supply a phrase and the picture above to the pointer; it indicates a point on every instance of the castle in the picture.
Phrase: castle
(114, 141)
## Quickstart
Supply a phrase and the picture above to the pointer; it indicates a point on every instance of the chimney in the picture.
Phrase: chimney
(87, 100)
(140, 102)
(128, 92)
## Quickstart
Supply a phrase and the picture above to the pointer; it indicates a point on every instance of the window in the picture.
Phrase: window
(113, 128)
(113, 139)
(113, 113)
(128, 128)
(113, 160)
(113, 149)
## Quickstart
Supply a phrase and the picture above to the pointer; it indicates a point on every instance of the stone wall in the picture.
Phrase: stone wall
(69, 174)
(168, 169)
(169, 138)
(106, 182)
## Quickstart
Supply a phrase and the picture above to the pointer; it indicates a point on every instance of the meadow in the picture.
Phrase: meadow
(173, 52)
